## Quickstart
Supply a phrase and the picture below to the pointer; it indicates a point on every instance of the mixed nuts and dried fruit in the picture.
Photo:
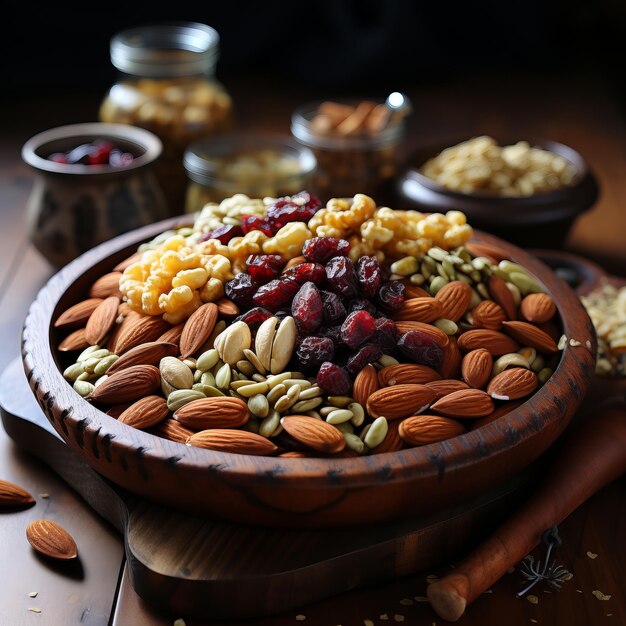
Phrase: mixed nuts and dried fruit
(481, 165)
(278, 327)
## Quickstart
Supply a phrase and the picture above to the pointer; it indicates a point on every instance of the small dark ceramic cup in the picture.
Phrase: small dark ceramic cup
(74, 207)
(541, 221)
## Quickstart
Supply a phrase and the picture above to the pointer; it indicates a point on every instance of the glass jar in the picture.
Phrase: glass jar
(167, 86)
(257, 165)
(358, 162)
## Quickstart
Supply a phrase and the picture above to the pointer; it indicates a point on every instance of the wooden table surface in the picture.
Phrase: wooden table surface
(581, 112)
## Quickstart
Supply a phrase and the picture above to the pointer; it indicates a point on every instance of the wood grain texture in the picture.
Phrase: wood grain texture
(300, 492)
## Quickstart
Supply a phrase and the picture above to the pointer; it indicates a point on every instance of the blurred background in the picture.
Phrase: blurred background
(535, 69)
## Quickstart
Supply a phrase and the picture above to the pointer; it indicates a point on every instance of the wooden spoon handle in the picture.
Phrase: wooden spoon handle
(592, 457)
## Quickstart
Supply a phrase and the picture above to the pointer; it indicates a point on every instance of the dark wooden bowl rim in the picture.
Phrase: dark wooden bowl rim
(404, 465)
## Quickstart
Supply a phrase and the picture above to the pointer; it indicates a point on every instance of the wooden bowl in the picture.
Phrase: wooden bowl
(310, 492)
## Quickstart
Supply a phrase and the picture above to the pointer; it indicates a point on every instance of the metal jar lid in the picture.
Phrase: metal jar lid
(166, 50)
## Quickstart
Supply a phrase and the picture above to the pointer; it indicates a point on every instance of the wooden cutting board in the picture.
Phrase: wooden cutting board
(208, 569)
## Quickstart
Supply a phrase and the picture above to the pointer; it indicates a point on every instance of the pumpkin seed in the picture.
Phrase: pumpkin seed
(207, 360)
(180, 397)
(223, 377)
(358, 414)
(303, 406)
(269, 424)
(354, 443)
(83, 388)
(254, 360)
(448, 326)
(386, 360)
(338, 416)
(259, 405)
(104, 364)
(276, 392)
(376, 433)
(340, 401)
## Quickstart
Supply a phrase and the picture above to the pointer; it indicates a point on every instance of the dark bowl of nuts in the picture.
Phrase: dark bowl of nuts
(94, 181)
(526, 192)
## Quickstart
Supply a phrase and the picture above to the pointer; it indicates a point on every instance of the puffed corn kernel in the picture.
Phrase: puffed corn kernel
(288, 241)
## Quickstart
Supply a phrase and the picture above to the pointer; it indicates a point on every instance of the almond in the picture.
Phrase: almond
(78, 314)
(438, 335)
(295, 454)
(392, 441)
(314, 434)
(488, 314)
(413, 291)
(512, 384)
(529, 335)
(226, 307)
(452, 357)
(455, 298)
(107, 285)
(446, 386)
(293, 262)
(149, 353)
(400, 401)
(214, 412)
(171, 429)
(489, 251)
(421, 430)
(122, 265)
(499, 411)
(465, 403)
(496, 343)
(13, 496)
(101, 321)
(365, 384)
(173, 334)
(419, 310)
(117, 409)
(145, 413)
(410, 373)
(128, 385)
(551, 328)
(502, 295)
(74, 341)
(51, 540)
(234, 441)
(197, 329)
(476, 367)
(538, 307)
(134, 332)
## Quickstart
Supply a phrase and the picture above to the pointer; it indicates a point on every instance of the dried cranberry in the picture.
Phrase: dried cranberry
(254, 317)
(306, 309)
(391, 295)
(334, 380)
(100, 153)
(369, 275)
(357, 328)
(322, 249)
(307, 271)
(334, 310)
(300, 207)
(332, 332)
(313, 351)
(362, 304)
(241, 289)
(117, 158)
(341, 277)
(224, 233)
(367, 354)
(421, 348)
(254, 222)
(385, 335)
(58, 157)
(276, 294)
(264, 267)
